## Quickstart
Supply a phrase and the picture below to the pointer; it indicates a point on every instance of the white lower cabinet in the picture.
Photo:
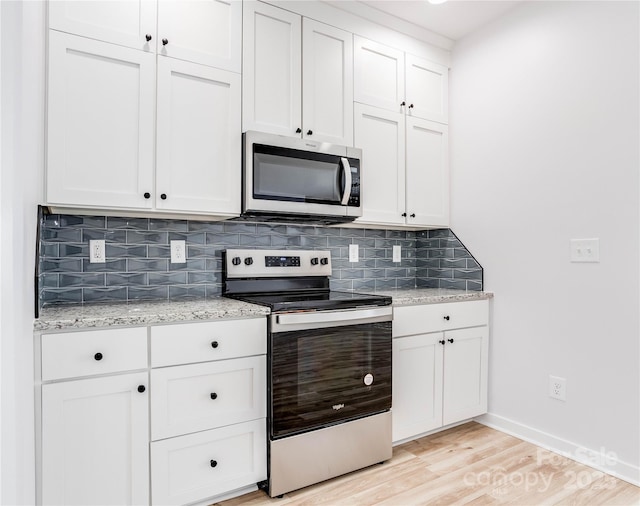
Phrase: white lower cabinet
(189, 468)
(439, 376)
(95, 439)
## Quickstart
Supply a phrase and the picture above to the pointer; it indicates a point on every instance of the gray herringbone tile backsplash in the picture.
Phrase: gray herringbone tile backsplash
(138, 263)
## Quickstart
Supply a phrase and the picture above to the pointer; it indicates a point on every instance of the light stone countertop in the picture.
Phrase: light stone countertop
(158, 312)
(143, 313)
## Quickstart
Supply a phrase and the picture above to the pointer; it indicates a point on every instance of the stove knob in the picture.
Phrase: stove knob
(236, 261)
(248, 261)
(314, 261)
(324, 261)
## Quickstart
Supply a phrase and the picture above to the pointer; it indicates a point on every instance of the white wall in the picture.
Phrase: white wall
(545, 147)
(21, 164)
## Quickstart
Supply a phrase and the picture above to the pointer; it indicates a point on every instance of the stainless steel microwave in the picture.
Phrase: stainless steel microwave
(300, 179)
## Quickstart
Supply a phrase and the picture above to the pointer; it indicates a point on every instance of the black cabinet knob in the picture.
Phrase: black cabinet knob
(309, 132)
(404, 215)
(147, 195)
(248, 261)
(141, 388)
(298, 130)
(165, 42)
(410, 106)
(441, 342)
(163, 196)
(450, 340)
(98, 356)
(412, 215)
(324, 261)
(214, 396)
(236, 260)
(314, 261)
(214, 344)
(148, 37)
(447, 317)
(214, 463)
(403, 104)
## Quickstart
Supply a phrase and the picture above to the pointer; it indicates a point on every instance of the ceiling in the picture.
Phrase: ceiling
(453, 19)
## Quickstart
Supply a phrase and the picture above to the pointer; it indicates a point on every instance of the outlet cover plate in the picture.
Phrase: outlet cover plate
(97, 251)
(585, 250)
(178, 252)
(558, 388)
(353, 252)
(397, 252)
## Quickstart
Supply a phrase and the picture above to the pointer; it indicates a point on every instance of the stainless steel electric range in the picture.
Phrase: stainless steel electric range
(329, 366)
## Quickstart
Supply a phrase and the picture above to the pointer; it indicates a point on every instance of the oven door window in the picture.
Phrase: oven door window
(297, 176)
(321, 377)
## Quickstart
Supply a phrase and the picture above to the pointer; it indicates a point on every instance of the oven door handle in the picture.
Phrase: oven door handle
(347, 181)
(311, 318)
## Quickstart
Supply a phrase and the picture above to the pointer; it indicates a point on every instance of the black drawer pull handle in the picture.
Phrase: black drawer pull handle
(450, 340)
(447, 317)
(214, 396)
(98, 356)
(214, 344)
(141, 388)
(214, 463)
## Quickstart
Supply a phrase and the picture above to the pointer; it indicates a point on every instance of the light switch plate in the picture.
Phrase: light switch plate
(585, 250)
(397, 251)
(353, 252)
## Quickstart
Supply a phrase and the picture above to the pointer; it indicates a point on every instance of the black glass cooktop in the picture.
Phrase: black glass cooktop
(316, 300)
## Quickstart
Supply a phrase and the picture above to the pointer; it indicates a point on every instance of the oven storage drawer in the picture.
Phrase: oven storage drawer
(197, 397)
(87, 353)
(189, 468)
(421, 319)
(201, 342)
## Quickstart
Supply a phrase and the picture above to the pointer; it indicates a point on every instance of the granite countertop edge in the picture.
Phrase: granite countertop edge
(101, 315)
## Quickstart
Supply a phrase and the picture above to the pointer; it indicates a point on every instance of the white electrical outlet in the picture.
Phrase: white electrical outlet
(353, 252)
(585, 250)
(558, 388)
(97, 251)
(397, 250)
(178, 252)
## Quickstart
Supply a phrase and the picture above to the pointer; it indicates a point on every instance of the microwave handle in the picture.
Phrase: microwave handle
(347, 180)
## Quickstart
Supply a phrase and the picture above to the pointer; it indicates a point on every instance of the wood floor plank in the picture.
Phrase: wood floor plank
(467, 465)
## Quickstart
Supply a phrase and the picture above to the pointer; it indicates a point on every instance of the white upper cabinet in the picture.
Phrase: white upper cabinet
(271, 70)
(427, 183)
(199, 140)
(100, 123)
(201, 31)
(282, 95)
(130, 23)
(327, 79)
(388, 78)
(378, 75)
(427, 89)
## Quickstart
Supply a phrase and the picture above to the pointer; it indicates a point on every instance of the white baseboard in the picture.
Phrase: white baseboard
(605, 462)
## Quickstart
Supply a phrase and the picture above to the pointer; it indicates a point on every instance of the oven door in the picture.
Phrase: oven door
(328, 375)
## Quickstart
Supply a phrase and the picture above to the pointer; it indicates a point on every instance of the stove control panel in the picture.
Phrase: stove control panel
(242, 263)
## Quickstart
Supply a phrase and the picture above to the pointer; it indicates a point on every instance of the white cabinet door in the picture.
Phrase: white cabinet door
(465, 374)
(191, 468)
(95, 441)
(427, 86)
(378, 75)
(427, 172)
(199, 139)
(380, 134)
(417, 385)
(123, 22)
(327, 80)
(100, 123)
(201, 31)
(272, 70)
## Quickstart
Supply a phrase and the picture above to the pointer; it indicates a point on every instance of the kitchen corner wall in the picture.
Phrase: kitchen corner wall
(138, 263)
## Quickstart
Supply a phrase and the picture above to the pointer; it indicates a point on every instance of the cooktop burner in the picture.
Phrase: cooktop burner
(288, 280)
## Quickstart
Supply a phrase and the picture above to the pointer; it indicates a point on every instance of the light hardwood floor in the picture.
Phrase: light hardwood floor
(469, 464)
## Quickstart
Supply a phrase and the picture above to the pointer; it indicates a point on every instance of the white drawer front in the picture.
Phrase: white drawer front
(422, 319)
(197, 397)
(194, 467)
(202, 342)
(92, 352)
